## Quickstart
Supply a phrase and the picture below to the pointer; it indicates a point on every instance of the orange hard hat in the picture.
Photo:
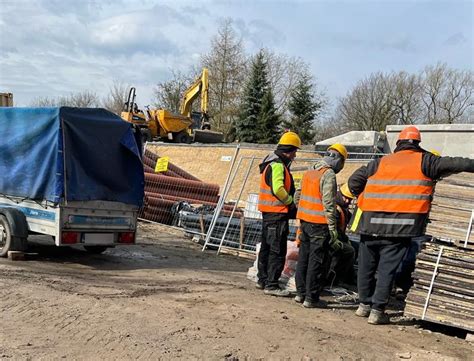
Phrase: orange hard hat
(410, 133)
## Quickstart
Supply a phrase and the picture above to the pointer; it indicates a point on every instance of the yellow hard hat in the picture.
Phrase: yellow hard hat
(346, 192)
(435, 152)
(290, 138)
(338, 147)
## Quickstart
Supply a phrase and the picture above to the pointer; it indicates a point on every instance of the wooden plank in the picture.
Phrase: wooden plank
(238, 253)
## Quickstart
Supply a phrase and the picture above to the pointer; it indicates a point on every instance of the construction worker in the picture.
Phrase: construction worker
(341, 266)
(317, 215)
(394, 197)
(403, 278)
(275, 201)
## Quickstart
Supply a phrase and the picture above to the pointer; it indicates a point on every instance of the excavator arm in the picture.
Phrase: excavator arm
(199, 87)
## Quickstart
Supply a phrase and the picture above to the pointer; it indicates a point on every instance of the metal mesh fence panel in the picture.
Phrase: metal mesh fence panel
(242, 231)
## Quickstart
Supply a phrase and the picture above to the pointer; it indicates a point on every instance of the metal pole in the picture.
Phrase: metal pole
(236, 203)
(221, 199)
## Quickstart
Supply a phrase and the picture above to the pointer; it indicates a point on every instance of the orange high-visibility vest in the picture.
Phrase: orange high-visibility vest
(310, 206)
(398, 185)
(267, 202)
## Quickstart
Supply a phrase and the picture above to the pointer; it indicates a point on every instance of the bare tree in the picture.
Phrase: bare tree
(116, 98)
(433, 83)
(405, 96)
(168, 94)
(84, 99)
(448, 94)
(227, 71)
(368, 106)
(284, 72)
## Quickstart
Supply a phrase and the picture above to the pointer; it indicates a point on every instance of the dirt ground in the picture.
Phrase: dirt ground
(165, 299)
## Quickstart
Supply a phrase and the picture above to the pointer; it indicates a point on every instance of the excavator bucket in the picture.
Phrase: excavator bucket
(207, 136)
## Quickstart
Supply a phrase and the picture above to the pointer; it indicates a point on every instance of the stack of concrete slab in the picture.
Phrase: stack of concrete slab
(443, 290)
(452, 207)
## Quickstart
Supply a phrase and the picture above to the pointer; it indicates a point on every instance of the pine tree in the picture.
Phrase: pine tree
(303, 109)
(269, 119)
(258, 121)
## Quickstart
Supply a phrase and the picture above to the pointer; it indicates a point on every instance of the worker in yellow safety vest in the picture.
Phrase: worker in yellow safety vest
(276, 203)
(394, 199)
(318, 224)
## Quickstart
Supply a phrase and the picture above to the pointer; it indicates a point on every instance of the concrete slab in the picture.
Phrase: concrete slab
(448, 139)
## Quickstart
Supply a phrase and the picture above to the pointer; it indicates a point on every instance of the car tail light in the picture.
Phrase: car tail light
(70, 237)
(126, 237)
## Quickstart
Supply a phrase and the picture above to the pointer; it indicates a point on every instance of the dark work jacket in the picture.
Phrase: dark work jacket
(432, 166)
(276, 157)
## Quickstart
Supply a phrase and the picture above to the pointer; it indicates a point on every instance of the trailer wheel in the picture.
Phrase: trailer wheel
(95, 249)
(7, 241)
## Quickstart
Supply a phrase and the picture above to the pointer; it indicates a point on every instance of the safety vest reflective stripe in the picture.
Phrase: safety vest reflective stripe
(310, 199)
(310, 211)
(399, 221)
(404, 182)
(389, 190)
(310, 206)
(396, 196)
(269, 203)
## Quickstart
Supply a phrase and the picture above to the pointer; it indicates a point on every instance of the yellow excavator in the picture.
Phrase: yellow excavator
(186, 127)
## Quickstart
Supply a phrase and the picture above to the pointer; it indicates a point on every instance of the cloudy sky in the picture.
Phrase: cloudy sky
(55, 47)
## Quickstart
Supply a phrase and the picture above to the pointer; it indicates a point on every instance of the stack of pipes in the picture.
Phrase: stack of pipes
(164, 189)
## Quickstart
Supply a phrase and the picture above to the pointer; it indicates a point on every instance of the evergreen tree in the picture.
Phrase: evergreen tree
(269, 120)
(303, 109)
(247, 127)
(258, 121)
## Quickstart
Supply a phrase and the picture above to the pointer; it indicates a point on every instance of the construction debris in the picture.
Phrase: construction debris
(443, 290)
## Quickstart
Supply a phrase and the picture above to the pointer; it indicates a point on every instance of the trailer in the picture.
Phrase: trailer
(74, 174)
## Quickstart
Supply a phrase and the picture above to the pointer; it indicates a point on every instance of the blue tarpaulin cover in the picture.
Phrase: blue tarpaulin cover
(69, 153)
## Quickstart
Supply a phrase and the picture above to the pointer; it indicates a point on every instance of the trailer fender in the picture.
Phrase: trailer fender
(17, 221)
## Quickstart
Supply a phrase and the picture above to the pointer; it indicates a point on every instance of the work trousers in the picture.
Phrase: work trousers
(312, 260)
(379, 258)
(271, 258)
(403, 278)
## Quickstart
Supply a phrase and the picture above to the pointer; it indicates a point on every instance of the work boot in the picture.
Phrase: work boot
(378, 318)
(259, 285)
(278, 292)
(313, 304)
(363, 310)
(299, 299)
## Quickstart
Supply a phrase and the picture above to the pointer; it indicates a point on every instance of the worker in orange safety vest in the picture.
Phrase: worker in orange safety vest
(394, 198)
(318, 225)
(276, 203)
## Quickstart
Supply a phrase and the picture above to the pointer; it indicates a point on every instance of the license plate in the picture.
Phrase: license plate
(98, 238)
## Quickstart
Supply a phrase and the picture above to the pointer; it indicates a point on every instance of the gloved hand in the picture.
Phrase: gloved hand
(292, 210)
(335, 243)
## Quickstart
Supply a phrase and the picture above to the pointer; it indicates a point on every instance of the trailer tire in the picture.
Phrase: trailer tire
(7, 241)
(95, 249)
